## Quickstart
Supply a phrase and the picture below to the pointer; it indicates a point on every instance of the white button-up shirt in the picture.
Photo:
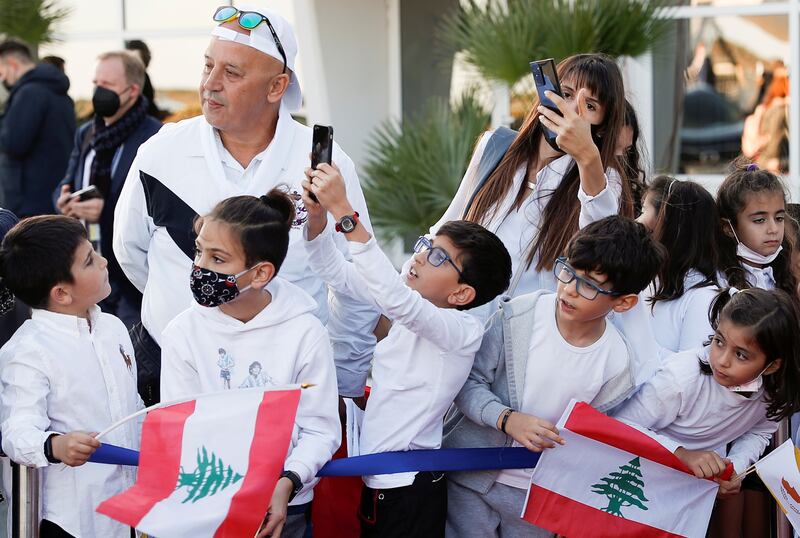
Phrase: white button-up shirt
(61, 373)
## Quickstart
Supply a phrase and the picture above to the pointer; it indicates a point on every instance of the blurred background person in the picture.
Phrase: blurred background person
(102, 153)
(36, 131)
(140, 48)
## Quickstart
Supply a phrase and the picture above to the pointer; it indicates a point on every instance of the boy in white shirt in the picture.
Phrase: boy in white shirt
(540, 351)
(423, 362)
(66, 372)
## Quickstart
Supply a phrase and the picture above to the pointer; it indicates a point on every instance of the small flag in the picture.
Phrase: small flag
(779, 472)
(611, 479)
(208, 466)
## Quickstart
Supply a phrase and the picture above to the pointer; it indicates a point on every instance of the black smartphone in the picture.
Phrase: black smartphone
(546, 78)
(88, 193)
(321, 148)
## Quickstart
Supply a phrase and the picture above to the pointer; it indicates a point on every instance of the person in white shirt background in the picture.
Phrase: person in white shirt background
(735, 391)
(243, 313)
(539, 196)
(756, 250)
(65, 373)
(246, 142)
(424, 360)
(540, 351)
(683, 217)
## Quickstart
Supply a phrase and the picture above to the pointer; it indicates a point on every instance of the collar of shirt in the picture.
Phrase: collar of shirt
(230, 162)
(275, 157)
(761, 277)
(67, 323)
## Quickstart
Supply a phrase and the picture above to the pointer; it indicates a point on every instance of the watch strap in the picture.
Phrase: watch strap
(352, 218)
(48, 449)
(297, 484)
(506, 414)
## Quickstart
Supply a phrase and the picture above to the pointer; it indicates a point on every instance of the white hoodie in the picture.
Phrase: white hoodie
(205, 350)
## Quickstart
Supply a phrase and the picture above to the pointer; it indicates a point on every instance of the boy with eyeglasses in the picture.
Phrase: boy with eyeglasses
(426, 357)
(540, 351)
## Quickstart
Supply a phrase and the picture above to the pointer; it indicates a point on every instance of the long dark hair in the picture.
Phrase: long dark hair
(600, 74)
(744, 180)
(631, 162)
(687, 226)
(772, 317)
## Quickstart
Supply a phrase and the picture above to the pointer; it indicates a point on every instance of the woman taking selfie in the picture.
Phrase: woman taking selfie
(537, 196)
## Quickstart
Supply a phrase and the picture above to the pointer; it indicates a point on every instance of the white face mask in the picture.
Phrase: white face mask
(750, 255)
(750, 386)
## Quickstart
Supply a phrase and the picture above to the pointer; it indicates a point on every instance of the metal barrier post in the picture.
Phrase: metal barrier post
(783, 529)
(24, 501)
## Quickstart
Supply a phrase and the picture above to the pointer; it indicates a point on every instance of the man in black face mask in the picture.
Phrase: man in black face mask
(35, 132)
(101, 156)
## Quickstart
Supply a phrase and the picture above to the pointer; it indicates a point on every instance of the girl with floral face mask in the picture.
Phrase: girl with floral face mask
(756, 246)
(246, 315)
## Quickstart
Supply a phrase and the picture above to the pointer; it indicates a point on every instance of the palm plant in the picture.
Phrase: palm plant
(413, 171)
(499, 39)
(32, 21)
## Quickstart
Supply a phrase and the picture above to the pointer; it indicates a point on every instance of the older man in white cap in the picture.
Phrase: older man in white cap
(246, 142)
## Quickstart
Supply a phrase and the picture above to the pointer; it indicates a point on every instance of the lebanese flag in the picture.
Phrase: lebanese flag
(611, 479)
(208, 466)
(780, 472)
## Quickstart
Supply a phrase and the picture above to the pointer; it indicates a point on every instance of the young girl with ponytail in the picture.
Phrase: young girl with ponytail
(247, 315)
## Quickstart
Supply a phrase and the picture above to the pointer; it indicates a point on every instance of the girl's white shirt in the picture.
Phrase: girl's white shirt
(517, 229)
(290, 346)
(683, 323)
(683, 407)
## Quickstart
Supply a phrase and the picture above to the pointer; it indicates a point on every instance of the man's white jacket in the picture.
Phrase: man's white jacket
(179, 174)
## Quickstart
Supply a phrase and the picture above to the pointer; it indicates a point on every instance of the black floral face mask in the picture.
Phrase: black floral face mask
(213, 289)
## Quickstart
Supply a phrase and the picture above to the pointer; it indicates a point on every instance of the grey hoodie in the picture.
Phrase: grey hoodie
(496, 383)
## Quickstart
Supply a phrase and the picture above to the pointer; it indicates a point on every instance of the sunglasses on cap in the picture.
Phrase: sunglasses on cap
(249, 20)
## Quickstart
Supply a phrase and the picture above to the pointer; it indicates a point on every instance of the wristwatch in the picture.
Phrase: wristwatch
(48, 449)
(347, 223)
(297, 484)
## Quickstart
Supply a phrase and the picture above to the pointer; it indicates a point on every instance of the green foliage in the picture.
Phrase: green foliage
(210, 476)
(413, 173)
(32, 21)
(623, 488)
(500, 40)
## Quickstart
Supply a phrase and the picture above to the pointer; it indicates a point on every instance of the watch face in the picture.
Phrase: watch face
(347, 224)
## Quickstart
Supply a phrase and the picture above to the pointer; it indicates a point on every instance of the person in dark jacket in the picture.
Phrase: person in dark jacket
(101, 156)
(36, 132)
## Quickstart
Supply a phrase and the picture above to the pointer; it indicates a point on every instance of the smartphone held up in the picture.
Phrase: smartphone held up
(321, 148)
(545, 78)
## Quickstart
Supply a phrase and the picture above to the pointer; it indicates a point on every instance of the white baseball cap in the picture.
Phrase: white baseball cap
(261, 39)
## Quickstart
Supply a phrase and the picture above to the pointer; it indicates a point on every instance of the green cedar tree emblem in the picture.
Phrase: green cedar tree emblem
(623, 488)
(210, 476)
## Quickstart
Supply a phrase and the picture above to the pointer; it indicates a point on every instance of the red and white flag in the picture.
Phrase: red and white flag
(611, 479)
(207, 467)
(780, 472)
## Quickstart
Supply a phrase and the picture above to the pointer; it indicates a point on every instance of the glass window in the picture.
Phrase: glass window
(721, 88)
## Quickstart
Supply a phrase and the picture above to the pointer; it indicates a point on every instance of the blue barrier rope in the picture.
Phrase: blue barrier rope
(446, 459)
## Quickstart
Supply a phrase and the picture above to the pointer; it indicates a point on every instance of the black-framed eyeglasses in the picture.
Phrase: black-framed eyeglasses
(585, 288)
(249, 20)
(436, 255)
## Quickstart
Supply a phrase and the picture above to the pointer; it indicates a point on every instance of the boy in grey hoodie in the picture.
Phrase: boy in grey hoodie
(539, 351)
